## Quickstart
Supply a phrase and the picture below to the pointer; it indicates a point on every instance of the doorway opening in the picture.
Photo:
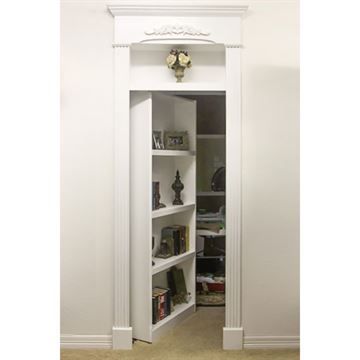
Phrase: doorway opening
(178, 210)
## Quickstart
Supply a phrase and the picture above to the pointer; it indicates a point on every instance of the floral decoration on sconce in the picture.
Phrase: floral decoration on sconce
(178, 60)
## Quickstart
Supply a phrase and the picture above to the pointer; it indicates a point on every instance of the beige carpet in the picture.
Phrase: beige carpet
(198, 337)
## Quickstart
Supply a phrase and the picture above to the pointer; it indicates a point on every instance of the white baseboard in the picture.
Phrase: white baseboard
(272, 342)
(122, 338)
(85, 341)
(233, 338)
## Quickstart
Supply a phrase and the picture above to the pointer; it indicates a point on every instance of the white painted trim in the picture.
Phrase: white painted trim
(233, 338)
(121, 199)
(233, 318)
(176, 8)
(122, 338)
(216, 2)
(68, 341)
(272, 342)
(130, 32)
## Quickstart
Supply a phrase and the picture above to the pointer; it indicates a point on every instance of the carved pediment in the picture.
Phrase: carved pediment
(176, 30)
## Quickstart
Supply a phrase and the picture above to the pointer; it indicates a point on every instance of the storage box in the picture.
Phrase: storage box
(212, 287)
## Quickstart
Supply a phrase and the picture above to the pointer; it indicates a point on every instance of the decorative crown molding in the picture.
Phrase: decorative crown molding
(177, 8)
(176, 30)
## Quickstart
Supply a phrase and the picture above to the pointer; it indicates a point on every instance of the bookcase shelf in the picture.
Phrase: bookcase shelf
(164, 264)
(178, 310)
(201, 232)
(210, 193)
(210, 257)
(173, 153)
(211, 136)
(172, 209)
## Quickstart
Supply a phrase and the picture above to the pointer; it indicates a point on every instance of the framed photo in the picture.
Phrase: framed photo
(176, 140)
(158, 140)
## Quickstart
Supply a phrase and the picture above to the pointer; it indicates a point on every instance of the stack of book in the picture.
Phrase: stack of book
(161, 304)
(177, 237)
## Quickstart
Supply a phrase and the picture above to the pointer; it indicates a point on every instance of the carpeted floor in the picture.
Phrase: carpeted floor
(198, 337)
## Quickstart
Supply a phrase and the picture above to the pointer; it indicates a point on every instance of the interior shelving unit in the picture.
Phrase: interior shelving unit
(211, 155)
(149, 111)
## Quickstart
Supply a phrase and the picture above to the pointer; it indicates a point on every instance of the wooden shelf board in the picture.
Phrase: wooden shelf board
(163, 264)
(172, 209)
(211, 136)
(210, 193)
(201, 232)
(173, 153)
(178, 310)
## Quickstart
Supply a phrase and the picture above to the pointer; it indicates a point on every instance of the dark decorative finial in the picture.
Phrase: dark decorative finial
(177, 186)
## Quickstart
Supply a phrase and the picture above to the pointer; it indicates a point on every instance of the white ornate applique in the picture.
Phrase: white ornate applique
(177, 30)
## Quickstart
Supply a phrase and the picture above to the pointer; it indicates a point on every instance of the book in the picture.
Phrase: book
(176, 281)
(161, 303)
(167, 293)
(171, 282)
(179, 280)
(170, 232)
(179, 235)
(154, 309)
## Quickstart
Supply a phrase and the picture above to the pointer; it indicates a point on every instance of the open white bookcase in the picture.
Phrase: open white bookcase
(156, 111)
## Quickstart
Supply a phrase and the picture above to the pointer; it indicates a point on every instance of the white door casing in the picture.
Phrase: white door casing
(186, 23)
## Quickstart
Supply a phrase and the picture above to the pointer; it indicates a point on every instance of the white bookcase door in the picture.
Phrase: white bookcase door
(154, 111)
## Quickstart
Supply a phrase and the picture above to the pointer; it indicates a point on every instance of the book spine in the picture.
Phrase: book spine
(165, 304)
(157, 192)
(162, 306)
(154, 307)
(171, 282)
(176, 242)
(153, 195)
(183, 239)
(168, 301)
(158, 317)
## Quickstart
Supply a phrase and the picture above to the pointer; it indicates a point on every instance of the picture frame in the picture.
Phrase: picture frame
(176, 140)
(157, 140)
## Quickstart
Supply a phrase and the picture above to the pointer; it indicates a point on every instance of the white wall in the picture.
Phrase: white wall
(86, 170)
(271, 169)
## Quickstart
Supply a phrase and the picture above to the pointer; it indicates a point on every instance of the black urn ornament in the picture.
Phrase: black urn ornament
(177, 186)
